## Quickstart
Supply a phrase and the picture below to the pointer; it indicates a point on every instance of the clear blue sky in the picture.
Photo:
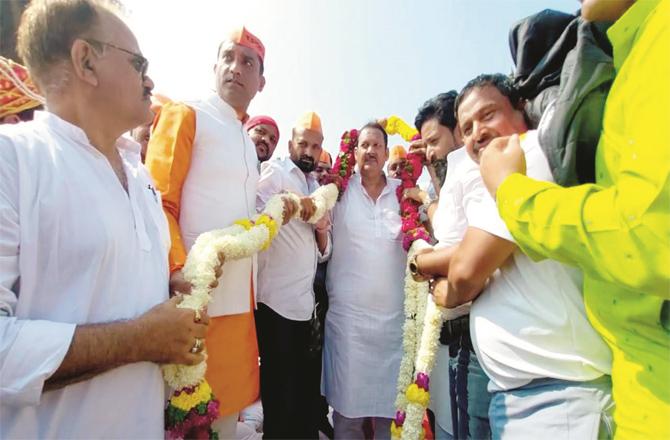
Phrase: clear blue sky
(350, 61)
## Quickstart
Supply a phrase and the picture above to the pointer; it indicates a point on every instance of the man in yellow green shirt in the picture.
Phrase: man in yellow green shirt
(618, 229)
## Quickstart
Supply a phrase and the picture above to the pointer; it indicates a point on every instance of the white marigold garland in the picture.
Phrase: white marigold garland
(421, 333)
(241, 240)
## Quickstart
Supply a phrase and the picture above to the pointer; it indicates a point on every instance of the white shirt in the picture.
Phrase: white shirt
(450, 221)
(286, 270)
(530, 321)
(85, 252)
(365, 282)
(219, 189)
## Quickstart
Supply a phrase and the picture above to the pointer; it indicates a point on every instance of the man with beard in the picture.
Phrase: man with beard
(440, 144)
(285, 294)
(264, 133)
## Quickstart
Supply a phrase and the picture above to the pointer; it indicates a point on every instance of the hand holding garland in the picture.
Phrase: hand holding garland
(192, 407)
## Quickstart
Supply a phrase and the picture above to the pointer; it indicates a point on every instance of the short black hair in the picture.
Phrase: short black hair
(260, 60)
(501, 82)
(440, 107)
(376, 126)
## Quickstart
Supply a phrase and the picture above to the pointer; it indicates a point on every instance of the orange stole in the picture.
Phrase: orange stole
(232, 362)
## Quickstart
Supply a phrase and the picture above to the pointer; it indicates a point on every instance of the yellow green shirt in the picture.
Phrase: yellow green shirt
(618, 230)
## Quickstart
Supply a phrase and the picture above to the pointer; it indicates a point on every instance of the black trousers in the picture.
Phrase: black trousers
(286, 395)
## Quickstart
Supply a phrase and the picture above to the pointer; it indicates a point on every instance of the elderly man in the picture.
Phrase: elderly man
(18, 95)
(204, 165)
(264, 133)
(285, 294)
(83, 241)
(547, 366)
(397, 157)
(363, 342)
(616, 230)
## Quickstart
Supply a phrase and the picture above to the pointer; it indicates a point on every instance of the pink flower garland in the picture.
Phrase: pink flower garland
(412, 229)
(343, 168)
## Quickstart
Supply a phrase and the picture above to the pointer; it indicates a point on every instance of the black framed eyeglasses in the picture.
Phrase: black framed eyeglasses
(139, 63)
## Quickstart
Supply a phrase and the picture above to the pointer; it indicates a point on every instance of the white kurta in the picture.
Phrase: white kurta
(85, 252)
(365, 281)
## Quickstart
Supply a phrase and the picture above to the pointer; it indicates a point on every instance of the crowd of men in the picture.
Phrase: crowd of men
(552, 259)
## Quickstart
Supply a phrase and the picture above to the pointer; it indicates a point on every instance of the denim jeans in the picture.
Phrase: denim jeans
(470, 398)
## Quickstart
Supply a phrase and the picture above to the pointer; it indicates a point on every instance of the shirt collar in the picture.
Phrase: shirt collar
(61, 125)
(622, 34)
(356, 178)
(291, 167)
(127, 146)
(225, 108)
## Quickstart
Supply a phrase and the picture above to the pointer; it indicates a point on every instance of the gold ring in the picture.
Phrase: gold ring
(197, 345)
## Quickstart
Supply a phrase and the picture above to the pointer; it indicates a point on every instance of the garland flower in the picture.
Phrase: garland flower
(192, 407)
(412, 229)
(395, 125)
(423, 318)
(343, 168)
(421, 334)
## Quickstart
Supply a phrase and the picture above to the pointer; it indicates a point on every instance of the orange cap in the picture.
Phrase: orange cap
(17, 90)
(245, 38)
(397, 152)
(309, 121)
(325, 157)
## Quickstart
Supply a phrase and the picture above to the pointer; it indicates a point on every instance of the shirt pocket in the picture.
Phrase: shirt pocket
(391, 225)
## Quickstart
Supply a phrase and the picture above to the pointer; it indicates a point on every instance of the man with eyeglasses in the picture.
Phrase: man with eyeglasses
(82, 333)
(204, 165)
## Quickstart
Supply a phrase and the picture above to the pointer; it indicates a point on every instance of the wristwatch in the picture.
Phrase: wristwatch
(413, 266)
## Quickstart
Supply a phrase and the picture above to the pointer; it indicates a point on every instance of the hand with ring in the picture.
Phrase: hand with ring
(197, 346)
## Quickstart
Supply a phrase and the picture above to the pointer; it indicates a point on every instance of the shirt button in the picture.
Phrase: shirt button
(631, 141)
(634, 156)
(631, 218)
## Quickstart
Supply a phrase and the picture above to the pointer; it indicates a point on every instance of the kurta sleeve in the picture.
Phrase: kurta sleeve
(30, 350)
(168, 160)
(619, 229)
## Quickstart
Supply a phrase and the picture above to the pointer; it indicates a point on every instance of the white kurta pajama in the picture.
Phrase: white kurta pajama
(365, 281)
(86, 252)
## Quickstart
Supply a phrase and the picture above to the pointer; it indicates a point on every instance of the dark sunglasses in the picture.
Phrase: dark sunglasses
(139, 63)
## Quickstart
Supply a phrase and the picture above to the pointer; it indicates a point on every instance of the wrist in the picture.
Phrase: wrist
(131, 341)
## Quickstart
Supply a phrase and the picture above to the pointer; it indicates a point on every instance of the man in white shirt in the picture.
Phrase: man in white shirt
(365, 280)
(83, 242)
(548, 368)
(285, 294)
